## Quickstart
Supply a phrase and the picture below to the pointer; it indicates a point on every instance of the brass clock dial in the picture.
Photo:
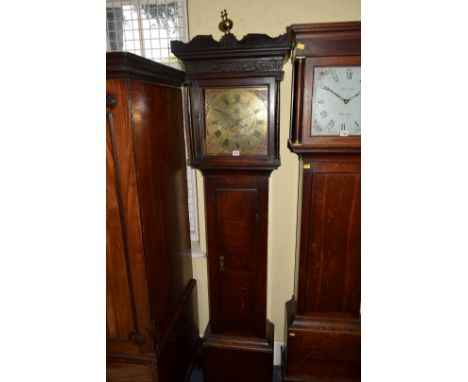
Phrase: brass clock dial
(236, 121)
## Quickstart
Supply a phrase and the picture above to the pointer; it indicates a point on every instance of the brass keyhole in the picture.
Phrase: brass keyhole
(221, 263)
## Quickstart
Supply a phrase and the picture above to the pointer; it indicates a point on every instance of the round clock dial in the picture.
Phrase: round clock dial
(336, 101)
(236, 121)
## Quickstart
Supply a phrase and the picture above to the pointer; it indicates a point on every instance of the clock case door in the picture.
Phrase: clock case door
(199, 158)
(237, 210)
(323, 330)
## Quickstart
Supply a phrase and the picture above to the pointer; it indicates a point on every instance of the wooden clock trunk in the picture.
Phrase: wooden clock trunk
(151, 301)
(323, 326)
(238, 342)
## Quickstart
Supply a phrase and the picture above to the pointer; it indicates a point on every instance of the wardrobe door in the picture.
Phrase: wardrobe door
(128, 319)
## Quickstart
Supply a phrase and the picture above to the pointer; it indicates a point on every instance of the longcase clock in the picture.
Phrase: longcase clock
(234, 112)
(323, 329)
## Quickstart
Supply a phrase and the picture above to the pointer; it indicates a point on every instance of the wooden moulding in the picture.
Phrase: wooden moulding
(328, 39)
(129, 65)
(204, 56)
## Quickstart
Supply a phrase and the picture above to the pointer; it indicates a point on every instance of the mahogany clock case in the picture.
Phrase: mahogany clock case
(150, 292)
(323, 330)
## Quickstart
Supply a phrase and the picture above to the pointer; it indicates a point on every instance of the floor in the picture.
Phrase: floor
(197, 375)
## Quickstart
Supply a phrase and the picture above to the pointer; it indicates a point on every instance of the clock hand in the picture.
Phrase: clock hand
(354, 96)
(247, 116)
(331, 91)
(226, 115)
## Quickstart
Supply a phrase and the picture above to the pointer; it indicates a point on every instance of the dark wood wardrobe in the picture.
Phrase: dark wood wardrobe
(151, 295)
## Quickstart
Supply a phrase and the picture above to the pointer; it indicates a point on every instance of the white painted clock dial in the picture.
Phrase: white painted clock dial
(336, 101)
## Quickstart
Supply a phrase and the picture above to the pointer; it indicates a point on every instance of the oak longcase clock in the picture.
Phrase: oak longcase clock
(323, 329)
(233, 102)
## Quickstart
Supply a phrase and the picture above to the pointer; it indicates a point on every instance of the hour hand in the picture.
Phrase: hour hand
(223, 113)
(331, 91)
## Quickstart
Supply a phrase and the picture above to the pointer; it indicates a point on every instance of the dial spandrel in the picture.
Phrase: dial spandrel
(236, 121)
(336, 101)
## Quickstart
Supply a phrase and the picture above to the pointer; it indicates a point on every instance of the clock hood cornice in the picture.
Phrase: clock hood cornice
(253, 53)
(251, 45)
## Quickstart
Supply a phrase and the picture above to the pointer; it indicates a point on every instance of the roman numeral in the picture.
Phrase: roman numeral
(214, 122)
(237, 145)
(226, 142)
(225, 100)
(323, 113)
(331, 124)
(321, 102)
(357, 124)
(335, 77)
(217, 133)
(237, 98)
(256, 133)
(349, 75)
(343, 126)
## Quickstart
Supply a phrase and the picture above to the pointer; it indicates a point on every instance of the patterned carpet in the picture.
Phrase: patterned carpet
(197, 375)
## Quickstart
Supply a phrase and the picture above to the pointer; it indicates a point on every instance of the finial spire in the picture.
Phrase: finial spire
(226, 24)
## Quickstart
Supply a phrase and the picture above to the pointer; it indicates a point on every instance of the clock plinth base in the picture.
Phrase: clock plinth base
(321, 347)
(238, 359)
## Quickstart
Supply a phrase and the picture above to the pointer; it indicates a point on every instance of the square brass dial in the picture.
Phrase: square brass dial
(236, 121)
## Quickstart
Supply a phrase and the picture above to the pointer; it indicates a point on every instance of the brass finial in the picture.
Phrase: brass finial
(226, 24)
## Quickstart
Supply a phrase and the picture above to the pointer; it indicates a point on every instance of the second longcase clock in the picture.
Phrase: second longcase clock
(234, 97)
(323, 334)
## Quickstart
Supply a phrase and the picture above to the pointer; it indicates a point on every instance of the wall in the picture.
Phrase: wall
(270, 17)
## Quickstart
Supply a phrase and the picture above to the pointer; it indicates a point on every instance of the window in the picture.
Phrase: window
(146, 28)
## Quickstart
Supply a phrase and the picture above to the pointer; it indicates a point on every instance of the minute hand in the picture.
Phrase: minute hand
(331, 91)
(354, 96)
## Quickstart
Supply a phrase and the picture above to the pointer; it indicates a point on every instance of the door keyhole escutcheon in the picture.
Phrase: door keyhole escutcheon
(221, 263)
